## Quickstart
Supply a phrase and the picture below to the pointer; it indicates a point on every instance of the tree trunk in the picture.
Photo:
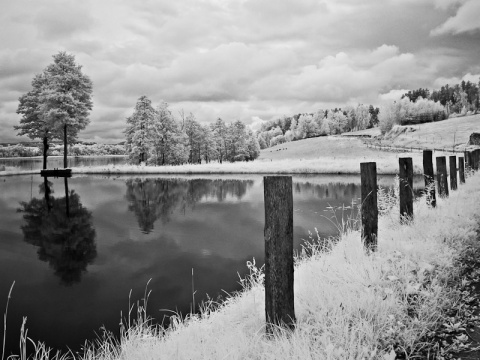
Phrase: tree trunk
(45, 149)
(65, 146)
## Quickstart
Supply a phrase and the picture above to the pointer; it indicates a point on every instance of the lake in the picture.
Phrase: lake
(76, 247)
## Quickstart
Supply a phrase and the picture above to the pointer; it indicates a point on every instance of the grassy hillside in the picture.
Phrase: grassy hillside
(447, 134)
(438, 135)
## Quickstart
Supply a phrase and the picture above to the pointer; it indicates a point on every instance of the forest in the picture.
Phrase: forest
(157, 137)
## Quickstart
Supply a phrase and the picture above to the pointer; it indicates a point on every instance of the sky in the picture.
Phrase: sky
(252, 60)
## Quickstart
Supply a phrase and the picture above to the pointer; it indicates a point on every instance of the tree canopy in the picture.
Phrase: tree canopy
(59, 103)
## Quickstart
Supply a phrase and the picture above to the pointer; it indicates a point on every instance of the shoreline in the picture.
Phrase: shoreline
(387, 164)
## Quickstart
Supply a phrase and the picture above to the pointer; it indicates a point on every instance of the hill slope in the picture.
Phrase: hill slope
(439, 134)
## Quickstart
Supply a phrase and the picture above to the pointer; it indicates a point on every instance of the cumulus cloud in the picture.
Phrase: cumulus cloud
(466, 19)
(251, 60)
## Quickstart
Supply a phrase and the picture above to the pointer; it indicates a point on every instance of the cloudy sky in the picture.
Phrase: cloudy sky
(251, 60)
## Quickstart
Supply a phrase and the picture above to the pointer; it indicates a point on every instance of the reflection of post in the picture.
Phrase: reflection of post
(67, 204)
(47, 193)
(279, 304)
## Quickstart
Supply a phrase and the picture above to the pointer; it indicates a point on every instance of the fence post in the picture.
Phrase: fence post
(453, 172)
(429, 177)
(476, 159)
(406, 188)
(461, 169)
(279, 304)
(442, 182)
(369, 207)
(468, 160)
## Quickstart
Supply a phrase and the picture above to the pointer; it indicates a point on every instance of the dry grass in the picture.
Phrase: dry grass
(452, 133)
(348, 304)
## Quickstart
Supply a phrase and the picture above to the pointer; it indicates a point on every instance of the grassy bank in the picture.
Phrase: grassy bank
(348, 305)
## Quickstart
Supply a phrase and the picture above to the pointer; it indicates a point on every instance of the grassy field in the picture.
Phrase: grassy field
(449, 134)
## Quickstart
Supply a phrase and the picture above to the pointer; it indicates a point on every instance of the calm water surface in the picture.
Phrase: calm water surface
(75, 248)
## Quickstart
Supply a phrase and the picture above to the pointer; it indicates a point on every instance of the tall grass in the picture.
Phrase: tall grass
(348, 304)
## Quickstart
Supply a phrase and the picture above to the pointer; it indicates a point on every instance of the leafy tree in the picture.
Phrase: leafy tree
(373, 116)
(415, 94)
(165, 137)
(261, 140)
(220, 137)
(58, 104)
(194, 135)
(66, 97)
(337, 122)
(236, 142)
(139, 129)
(34, 122)
(209, 149)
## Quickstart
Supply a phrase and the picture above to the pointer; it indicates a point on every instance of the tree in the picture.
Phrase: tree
(67, 97)
(220, 137)
(138, 132)
(194, 135)
(34, 123)
(59, 103)
(165, 135)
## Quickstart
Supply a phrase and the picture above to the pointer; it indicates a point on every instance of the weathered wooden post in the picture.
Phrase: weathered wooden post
(461, 169)
(468, 161)
(429, 177)
(369, 206)
(442, 182)
(279, 306)
(476, 159)
(453, 172)
(406, 188)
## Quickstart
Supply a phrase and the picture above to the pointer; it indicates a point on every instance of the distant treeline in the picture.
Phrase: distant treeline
(20, 150)
(416, 106)
(323, 122)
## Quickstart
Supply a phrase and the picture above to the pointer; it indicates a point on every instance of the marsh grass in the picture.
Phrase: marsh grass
(349, 305)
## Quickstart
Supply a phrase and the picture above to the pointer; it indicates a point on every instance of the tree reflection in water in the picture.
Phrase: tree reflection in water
(62, 230)
(153, 199)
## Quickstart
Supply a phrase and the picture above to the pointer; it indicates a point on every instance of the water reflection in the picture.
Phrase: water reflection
(157, 199)
(62, 229)
(328, 191)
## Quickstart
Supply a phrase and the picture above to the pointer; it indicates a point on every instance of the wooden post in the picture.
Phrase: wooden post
(453, 172)
(279, 306)
(461, 170)
(476, 159)
(468, 161)
(429, 177)
(406, 188)
(369, 207)
(466, 157)
(442, 182)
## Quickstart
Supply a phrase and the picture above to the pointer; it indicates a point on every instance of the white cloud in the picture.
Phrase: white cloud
(246, 59)
(465, 20)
